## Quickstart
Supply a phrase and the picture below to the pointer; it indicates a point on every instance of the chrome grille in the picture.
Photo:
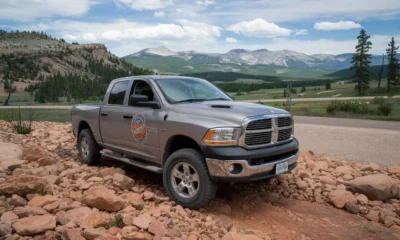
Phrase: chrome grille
(284, 134)
(284, 121)
(259, 124)
(267, 130)
(252, 139)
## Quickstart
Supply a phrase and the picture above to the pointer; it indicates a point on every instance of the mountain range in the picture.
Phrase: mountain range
(280, 62)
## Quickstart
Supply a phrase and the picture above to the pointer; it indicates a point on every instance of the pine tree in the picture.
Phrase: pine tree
(360, 61)
(393, 64)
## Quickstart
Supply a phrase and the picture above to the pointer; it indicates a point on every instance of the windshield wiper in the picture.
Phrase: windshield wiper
(215, 99)
(190, 100)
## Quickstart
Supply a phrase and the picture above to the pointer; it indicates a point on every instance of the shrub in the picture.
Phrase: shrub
(19, 125)
(116, 221)
(385, 109)
(349, 107)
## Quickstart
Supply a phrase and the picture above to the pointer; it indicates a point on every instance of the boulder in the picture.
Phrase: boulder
(76, 215)
(373, 216)
(340, 197)
(394, 169)
(147, 195)
(40, 201)
(29, 211)
(10, 151)
(34, 153)
(33, 225)
(22, 185)
(376, 187)
(142, 221)
(122, 181)
(104, 199)
(301, 184)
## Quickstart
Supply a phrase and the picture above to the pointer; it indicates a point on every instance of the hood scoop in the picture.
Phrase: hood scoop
(220, 106)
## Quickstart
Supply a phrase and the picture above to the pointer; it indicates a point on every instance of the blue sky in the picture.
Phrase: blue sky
(127, 26)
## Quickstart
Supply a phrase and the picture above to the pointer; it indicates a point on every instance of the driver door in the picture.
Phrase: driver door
(142, 124)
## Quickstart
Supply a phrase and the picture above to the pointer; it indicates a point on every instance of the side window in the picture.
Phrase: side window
(143, 88)
(117, 94)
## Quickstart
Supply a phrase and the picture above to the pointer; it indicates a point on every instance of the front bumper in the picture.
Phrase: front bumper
(249, 170)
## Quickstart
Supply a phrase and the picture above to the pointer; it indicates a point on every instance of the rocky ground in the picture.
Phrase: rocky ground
(46, 193)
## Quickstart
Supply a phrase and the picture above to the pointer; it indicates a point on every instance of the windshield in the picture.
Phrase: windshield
(189, 90)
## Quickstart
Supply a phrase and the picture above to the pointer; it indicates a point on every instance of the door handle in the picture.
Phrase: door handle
(103, 114)
(127, 116)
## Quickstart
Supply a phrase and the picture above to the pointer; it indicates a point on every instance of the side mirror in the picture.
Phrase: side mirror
(231, 96)
(143, 101)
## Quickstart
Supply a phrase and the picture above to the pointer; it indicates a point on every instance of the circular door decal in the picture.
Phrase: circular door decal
(139, 130)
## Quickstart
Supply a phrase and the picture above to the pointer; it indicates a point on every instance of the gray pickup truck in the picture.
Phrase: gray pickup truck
(188, 130)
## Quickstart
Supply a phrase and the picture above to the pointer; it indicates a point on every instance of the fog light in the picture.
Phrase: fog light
(235, 168)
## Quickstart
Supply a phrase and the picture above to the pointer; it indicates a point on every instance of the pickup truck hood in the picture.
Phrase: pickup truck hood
(229, 111)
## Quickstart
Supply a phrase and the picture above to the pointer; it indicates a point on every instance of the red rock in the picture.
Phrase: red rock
(142, 221)
(122, 181)
(5, 229)
(114, 230)
(73, 234)
(340, 197)
(147, 195)
(33, 225)
(45, 161)
(130, 196)
(34, 153)
(41, 201)
(76, 215)
(110, 172)
(8, 217)
(394, 169)
(131, 233)
(17, 201)
(103, 198)
(94, 220)
(157, 228)
(92, 233)
(29, 211)
(22, 185)
(376, 187)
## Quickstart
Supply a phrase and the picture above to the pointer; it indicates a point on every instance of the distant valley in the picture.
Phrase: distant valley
(284, 63)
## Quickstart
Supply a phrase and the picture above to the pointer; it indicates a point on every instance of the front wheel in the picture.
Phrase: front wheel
(89, 150)
(187, 180)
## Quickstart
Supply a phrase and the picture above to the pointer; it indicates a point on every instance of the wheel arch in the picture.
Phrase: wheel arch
(177, 142)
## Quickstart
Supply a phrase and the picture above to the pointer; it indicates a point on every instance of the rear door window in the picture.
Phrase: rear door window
(117, 93)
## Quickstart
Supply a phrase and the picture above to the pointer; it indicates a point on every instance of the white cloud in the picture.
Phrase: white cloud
(141, 5)
(26, 10)
(123, 30)
(259, 28)
(159, 14)
(294, 10)
(206, 2)
(301, 32)
(230, 40)
(341, 25)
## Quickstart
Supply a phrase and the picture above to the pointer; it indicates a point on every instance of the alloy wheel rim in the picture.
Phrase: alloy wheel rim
(185, 180)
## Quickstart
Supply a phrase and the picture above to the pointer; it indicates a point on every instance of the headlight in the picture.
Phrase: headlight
(222, 136)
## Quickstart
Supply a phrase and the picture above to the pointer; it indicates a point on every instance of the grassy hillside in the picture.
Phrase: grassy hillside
(175, 65)
(50, 68)
(347, 73)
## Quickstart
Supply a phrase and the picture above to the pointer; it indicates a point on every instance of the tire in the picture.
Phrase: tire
(206, 188)
(89, 150)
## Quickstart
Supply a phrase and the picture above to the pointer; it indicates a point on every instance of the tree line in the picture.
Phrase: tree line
(361, 60)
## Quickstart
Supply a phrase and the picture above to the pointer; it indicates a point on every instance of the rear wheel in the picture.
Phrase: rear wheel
(186, 179)
(88, 148)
